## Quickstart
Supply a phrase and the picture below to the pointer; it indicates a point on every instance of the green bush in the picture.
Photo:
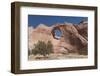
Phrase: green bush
(49, 47)
(42, 48)
(84, 51)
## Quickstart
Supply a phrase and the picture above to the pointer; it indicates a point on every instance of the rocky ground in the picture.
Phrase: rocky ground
(56, 56)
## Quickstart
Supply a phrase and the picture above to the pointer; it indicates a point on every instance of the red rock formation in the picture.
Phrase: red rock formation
(73, 38)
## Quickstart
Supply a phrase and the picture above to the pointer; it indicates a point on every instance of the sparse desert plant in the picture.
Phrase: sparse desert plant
(84, 51)
(49, 47)
(42, 48)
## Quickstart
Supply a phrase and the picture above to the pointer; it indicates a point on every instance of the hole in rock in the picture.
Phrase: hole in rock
(58, 34)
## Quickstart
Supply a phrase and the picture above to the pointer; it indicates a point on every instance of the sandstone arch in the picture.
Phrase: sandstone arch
(73, 39)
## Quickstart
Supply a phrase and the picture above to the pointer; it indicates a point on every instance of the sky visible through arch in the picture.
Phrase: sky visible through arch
(35, 20)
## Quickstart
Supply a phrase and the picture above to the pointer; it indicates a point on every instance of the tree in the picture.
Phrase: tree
(49, 47)
(42, 48)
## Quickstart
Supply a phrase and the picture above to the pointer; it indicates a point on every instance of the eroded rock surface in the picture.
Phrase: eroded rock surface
(72, 40)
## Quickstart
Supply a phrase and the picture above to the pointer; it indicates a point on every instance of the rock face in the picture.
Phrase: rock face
(42, 32)
(73, 38)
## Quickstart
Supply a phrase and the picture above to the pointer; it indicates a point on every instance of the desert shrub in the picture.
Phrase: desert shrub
(84, 51)
(49, 47)
(42, 48)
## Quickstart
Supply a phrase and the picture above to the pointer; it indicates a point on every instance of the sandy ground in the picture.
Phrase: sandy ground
(56, 56)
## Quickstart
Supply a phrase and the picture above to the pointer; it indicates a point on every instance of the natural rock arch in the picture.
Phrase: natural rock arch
(72, 36)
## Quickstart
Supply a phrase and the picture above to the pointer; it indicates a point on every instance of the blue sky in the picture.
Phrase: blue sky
(35, 20)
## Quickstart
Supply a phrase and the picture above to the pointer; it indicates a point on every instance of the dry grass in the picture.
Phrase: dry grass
(56, 56)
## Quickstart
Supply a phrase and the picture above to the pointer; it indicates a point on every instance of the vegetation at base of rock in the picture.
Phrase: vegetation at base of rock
(42, 48)
(84, 51)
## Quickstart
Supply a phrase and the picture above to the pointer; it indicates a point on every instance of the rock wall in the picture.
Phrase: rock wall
(73, 38)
